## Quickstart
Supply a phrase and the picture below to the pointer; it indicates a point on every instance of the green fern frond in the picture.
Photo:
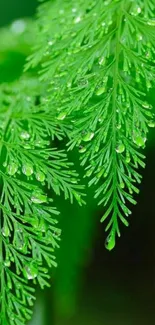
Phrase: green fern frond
(98, 60)
(30, 168)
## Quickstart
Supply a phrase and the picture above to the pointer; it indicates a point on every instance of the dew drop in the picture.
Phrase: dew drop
(25, 135)
(110, 242)
(139, 141)
(102, 61)
(27, 170)
(139, 37)
(74, 9)
(5, 231)
(9, 284)
(128, 159)
(31, 271)
(120, 148)
(88, 136)
(77, 20)
(61, 116)
(136, 11)
(12, 169)
(83, 83)
(50, 43)
(100, 91)
(151, 124)
(7, 263)
(151, 22)
(40, 176)
(82, 149)
(122, 185)
(38, 198)
(146, 105)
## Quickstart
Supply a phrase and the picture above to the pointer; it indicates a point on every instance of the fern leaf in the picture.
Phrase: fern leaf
(30, 168)
(99, 66)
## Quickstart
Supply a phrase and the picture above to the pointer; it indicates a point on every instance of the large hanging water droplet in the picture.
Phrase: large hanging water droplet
(146, 105)
(110, 242)
(12, 169)
(24, 135)
(151, 124)
(62, 116)
(120, 148)
(40, 176)
(139, 140)
(38, 198)
(31, 271)
(88, 136)
(27, 169)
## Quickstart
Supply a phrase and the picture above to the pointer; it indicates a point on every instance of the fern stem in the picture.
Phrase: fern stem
(114, 99)
(3, 302)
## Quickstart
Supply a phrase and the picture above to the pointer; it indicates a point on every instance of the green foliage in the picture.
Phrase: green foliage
(30, 168)
(98, 60)
(96, 65)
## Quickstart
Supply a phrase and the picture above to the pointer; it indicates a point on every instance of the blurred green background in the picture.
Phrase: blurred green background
(90, 286)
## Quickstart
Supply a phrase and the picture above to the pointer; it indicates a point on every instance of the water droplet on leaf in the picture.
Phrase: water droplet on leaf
(82, 149)
(151, 124)
(151, 22)
(38, 198)
(139, 141)
(6, 231)
(31, 271)
(62, 116)
(77, 20)
(24, 135)
(128, 159)
(40, 176)
(88, 136)
(27, 169)
(100, 91)
(120, 148)
(122, 185)
(110, 242)
(7, 263)
(12, 169)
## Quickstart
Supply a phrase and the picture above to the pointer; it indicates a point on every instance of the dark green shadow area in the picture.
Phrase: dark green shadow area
(13, 9)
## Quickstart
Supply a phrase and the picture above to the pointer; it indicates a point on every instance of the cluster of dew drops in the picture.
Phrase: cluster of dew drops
(27, 168)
